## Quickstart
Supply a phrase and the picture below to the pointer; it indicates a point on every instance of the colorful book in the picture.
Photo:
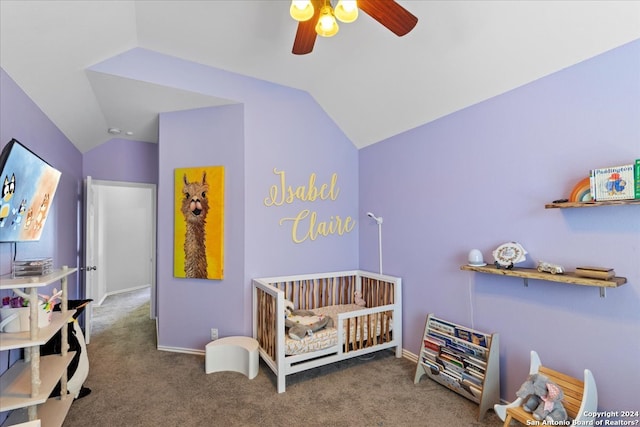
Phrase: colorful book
(442, 327)
(614, 183)
(637, 179)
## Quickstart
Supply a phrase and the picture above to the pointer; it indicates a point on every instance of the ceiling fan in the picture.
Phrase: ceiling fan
(317, 17)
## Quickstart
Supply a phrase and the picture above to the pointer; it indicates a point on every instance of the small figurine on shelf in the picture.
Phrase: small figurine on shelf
(508, 254)
(550, 268)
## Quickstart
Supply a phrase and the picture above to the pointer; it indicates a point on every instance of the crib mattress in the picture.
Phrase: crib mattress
(327, 337)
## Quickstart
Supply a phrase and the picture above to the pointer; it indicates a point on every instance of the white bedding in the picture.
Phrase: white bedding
(326, 337)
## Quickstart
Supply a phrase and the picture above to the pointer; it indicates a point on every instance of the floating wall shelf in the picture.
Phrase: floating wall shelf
(591, 204)
(532, 273)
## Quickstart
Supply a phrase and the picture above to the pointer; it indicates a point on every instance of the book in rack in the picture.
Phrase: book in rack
(463, 359)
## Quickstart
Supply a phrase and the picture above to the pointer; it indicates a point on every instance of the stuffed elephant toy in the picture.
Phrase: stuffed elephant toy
(301, 323)
(543, 398)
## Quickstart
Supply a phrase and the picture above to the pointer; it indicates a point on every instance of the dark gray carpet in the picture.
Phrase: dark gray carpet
(133, 384)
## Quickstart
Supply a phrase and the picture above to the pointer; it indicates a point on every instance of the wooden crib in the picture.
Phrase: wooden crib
(362, 330)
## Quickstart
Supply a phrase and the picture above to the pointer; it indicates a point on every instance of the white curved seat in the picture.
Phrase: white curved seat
(239, 354)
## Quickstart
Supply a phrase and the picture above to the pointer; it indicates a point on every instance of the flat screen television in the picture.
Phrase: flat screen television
(28, 186)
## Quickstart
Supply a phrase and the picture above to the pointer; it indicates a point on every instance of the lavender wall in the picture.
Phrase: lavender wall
(189, 308)
(21, 119)
(272, 127)
(481, 177)
(122, 160)
(476, 178)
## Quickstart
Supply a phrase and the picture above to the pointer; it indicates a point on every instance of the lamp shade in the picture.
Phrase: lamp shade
(301, 10)
(347, 11)
(327, 25)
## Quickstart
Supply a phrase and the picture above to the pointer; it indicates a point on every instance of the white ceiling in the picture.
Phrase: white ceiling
(371, 82)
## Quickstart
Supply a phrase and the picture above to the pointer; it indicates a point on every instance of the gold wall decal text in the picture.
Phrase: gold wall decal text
(306, 225)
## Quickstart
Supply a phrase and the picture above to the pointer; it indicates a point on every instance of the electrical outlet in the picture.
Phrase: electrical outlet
(214, 334)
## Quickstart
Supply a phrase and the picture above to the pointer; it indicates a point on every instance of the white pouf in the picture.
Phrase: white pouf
(238, 354)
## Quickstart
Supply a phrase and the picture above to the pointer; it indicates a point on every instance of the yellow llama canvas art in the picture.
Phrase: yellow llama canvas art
(199, 223)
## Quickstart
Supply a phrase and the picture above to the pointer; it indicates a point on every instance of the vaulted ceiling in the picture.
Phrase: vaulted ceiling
(372, 83)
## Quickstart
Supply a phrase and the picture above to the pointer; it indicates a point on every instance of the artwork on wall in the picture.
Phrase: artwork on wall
(26, 193)
(199, 223)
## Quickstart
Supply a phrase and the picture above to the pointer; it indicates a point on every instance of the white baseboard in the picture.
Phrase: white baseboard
(405, 353)
(410, 356)
(121, 291)
(181, 350)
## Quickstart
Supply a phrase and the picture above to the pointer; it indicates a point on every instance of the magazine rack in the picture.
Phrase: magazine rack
(463, 360)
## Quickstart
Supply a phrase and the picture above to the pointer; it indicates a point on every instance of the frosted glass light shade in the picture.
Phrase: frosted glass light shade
(347, 11)
(327, 25)
(301, 10)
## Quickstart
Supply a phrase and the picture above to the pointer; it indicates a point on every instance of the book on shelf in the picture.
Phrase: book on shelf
(451, 379)
(477, 392)
(444, 339)
(637, 178)
(442, 327)
(603, 273)
(434, 368)
(431, 354)
(476, 374)
(431, 344)
(470, 379)
(454, 364)
(452, 353)
(470, 336)
(477, 361)
(613, 183)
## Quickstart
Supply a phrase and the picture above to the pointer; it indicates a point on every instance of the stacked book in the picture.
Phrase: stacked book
(615, 182)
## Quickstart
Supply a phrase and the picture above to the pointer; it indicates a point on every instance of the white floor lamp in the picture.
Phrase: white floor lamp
(378, 220)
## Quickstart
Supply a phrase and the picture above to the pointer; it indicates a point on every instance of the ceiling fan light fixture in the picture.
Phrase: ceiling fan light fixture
(301, 10)
(327, 25)
(347, 10)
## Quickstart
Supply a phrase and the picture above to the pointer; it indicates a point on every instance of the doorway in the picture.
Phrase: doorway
(121, 238)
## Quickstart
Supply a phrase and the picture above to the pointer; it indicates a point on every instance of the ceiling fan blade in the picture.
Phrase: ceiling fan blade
(306, 34)
(305, 37)
(390, 14)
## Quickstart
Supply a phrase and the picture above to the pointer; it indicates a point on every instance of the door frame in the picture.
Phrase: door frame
(152, 262)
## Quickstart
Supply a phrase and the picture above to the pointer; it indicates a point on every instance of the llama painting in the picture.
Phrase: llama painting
(199, 223)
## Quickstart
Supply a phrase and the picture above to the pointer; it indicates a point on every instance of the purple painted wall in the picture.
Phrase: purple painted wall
(481, 177)
(271, 128)
(122, 160)
(476, 178)
(21, 119)
(189, 308)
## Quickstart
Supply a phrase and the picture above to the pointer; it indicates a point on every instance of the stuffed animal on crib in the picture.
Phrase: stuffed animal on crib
(303, 322)
(543, 397)
(358, 299)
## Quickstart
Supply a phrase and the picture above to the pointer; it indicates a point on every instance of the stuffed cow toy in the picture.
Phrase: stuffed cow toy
(301, 323)
(543, 398)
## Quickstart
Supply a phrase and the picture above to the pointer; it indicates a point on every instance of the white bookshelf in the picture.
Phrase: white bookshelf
(25, 387)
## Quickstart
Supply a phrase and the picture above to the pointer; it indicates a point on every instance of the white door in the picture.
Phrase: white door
(90, 253)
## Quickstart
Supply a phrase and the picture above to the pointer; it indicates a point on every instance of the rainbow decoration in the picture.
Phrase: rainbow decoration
(581, 192)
